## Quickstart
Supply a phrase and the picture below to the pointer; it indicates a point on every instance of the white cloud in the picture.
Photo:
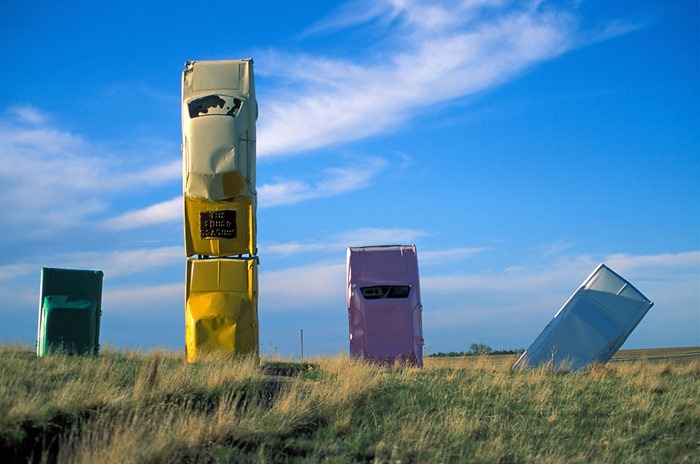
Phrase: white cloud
(448, 255)
(338, 243)
(158, 174)
(376, 236)
(285, 192)
(165, 211)
(125, 262)
(28, 113)
(334, 181)
(295, 248)
(113, 263)
(436, 55)
(315, 287)
(351, 14)
(62, 179)
(14, 270)
(655, 266)
(169, 297)
(559, 273)
(359, 237)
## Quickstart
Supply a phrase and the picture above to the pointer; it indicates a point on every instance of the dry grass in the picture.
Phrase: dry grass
(142, 408)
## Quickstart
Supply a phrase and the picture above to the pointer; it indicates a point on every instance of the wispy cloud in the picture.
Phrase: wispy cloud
(356, 237)
(432, 53)
(28, 113)
(62, 178)
(14, 270)
(567, 272)
(333, 182)
(166, 211)
(377, 236)
(351, 14)
(135, 299)
(522, 279)
(125, 262)
(315, 287)
(661, 266)
(156, 175)
(448, 255)
(116, 263)
(296, 248)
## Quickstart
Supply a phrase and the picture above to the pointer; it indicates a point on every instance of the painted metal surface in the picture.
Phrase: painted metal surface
(70, 306)
(384, 306)
(219, 111)
(591, 326)
(221, 306)
(220, 228)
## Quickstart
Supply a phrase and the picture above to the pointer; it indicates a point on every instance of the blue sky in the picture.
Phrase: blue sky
(517, 144)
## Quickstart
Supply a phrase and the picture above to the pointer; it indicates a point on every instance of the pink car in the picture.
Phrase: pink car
(384, 308)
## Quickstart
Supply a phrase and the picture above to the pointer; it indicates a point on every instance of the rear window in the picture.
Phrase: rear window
(385, 291)
(221, 105)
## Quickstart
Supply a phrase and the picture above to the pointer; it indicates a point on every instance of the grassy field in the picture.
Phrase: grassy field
(155, 408)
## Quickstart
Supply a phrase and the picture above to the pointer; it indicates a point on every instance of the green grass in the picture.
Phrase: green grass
(143, 408)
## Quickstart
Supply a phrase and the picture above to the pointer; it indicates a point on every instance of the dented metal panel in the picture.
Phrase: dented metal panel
(591, 326)
(220, 228)
(70, 306)
(219, 111)
(218, 125)
(384, 306)
(221, 306)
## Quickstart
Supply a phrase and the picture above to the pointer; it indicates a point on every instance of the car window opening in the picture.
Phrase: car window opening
(385, 291)
(221, 105)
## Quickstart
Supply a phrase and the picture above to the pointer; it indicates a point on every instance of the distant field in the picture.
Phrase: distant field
(155, 408)
(509, 359)
(658, 352)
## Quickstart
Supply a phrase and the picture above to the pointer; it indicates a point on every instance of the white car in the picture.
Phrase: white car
(219, 111)
(591, 326)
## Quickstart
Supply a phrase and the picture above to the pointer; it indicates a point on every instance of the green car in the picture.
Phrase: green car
(70, 306)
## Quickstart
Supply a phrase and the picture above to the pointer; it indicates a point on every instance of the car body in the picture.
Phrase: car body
(591, 326)
(70, 307)
(221, 306)
(219, 111)
(384, 305)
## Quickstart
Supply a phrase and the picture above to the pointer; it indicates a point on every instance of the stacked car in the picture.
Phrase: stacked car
(219, 112)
